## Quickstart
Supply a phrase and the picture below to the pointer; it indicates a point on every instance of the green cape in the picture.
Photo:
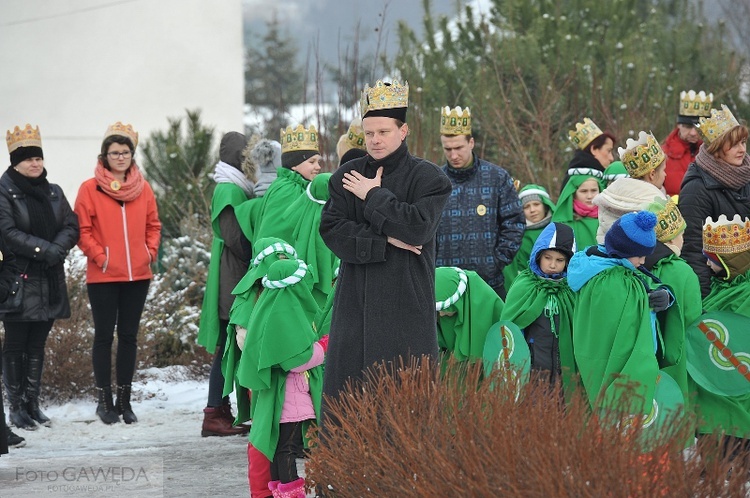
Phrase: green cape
(300, 226)
(285, 189)
(225, 194)
(280, 337)
(684, 284)
(476, 309)
(729, 296)
(266, 252)
(583, 228)
(521, 259)
(531, 297)
(613, 341)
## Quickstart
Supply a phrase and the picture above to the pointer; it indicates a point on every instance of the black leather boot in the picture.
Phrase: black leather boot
(34, 365)
(14, 378)
(106, 409)
(123, 405)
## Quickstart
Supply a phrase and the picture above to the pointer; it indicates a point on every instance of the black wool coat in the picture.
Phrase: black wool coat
(384, 306)
(15, 229)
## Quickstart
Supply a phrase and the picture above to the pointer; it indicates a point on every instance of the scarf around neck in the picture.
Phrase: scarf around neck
(41, 216)
(732, 177)
(124, 191)
(226, 173)
(583, 209)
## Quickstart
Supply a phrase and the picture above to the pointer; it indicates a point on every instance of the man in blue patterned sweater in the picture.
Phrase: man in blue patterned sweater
(483, 222)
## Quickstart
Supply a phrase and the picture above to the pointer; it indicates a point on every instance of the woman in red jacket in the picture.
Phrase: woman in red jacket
(120, 232)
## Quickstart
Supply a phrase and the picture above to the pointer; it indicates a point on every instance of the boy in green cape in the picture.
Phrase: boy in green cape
(614, 332)
(538, 209)
(541, 304)
(285, 357)
(467, 307)
(666, 265)
(726, 245)
(230, 256)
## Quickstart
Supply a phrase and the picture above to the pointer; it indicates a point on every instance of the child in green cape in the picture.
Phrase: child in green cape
(726, 245)
(575, 206)
(538, 209)
(614, 335)
(467, 307)
(541, 304)
(285, 356)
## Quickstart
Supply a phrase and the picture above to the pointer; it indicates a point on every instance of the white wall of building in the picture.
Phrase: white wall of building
(73, 67)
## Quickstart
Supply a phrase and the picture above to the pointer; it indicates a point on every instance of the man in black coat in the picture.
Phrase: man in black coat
(381, 221)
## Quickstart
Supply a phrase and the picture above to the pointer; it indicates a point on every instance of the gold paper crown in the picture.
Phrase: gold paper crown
(669, 220)
(455, 121)
(695, 104)
(715, 126)
(641, 156)
(355, 137)
(299, 138)
(123, 130)
(584, 133)
(726, 236)
(28, 137)
(384, 96)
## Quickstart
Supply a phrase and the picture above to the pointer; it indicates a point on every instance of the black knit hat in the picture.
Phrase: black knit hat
(23, 153)
(231, 148)
(296, 157)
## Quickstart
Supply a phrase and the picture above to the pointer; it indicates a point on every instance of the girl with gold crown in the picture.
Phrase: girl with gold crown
(120, 234)
(593, 148)
(39, 227)
(717, 183)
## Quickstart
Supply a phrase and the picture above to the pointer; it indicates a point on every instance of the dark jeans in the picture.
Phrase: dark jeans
(216, 378)
(26, 338)
(116, 304)
(284, 464)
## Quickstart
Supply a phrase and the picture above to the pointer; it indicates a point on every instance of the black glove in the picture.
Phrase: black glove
(54, 254)
(659, 299)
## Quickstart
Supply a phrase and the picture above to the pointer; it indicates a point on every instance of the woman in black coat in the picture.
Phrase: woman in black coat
(39, 227)
(717, 183)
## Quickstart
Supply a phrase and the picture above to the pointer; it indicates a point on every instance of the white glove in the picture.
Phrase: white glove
(240, 333)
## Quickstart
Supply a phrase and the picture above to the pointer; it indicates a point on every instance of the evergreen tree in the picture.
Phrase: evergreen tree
(531, 69)
(273, 79)
(177, 163)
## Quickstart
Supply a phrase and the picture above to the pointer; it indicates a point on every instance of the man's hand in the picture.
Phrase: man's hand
(403, 245)
(359, 185)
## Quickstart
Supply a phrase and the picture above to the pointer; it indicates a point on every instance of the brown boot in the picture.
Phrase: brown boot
(226, 412)
(215, 423)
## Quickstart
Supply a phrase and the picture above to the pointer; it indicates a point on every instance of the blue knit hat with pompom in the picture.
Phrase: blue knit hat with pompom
(632, 235)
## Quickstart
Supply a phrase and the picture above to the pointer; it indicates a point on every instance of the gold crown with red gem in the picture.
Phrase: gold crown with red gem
(123, 130)
(695, 104)
(455, 121)
(717, 124)
(27, 137)
(299, 138)
(726, 236)
(584, 133)
(641, 156)
(384, 96)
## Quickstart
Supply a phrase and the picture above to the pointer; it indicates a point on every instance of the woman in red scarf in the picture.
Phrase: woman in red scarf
(120, 233)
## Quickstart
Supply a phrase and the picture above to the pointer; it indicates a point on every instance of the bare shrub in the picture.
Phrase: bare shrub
(415, 433)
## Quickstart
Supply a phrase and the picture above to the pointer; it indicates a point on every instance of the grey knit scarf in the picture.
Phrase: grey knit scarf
(732, 177)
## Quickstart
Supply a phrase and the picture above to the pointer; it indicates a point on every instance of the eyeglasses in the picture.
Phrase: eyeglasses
(115, 155)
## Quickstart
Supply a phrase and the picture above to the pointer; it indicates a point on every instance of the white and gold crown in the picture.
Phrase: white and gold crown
(641, 156)
(124, 130)
(384, 96)
(726, 236)
(584, 133)
(455, 121)
(695, 104)
(27, 137)
(299, 138)
(717, 124)
(355, 136)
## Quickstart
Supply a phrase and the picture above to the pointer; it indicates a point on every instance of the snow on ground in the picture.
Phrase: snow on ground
(161, 455)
